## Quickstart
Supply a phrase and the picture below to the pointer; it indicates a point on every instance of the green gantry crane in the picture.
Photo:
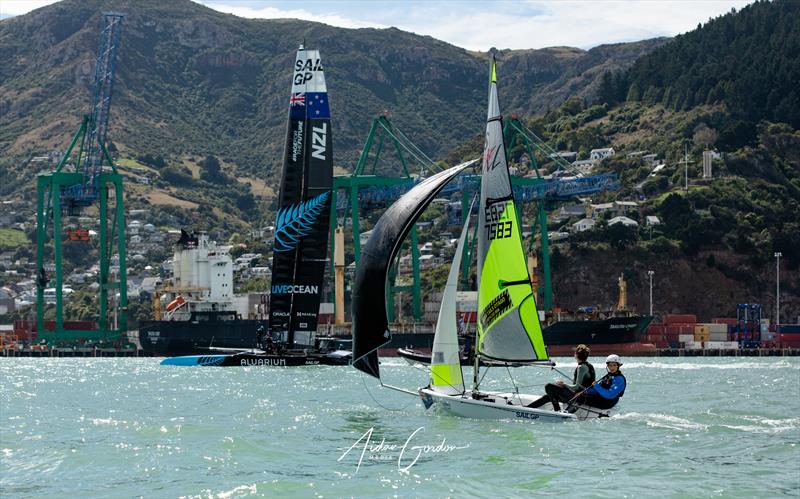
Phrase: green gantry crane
(68, 191)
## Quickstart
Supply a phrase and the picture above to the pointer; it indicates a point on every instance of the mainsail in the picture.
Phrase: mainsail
(301, 228)
(446, 374)
(508, 322)
(370, 325)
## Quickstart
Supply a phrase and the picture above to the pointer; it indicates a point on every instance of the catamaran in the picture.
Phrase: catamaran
(509, 331)
(301, 233)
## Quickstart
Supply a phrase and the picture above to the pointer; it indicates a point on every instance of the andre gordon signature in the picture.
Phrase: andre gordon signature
(408, 452)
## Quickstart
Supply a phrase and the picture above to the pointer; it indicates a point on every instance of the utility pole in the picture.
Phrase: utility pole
(686, 166)
(778, 256)
(650, 273)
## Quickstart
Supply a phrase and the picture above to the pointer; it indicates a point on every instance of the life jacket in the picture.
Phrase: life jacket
(588, 379)
(608, 380)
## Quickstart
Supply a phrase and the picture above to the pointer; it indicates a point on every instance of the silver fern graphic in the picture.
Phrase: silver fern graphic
(296, 221)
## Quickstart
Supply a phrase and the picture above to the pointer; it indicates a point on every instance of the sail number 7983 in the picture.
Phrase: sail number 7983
(499, 230)
(496, 227)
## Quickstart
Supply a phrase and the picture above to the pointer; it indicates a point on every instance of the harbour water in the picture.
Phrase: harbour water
(698, 427)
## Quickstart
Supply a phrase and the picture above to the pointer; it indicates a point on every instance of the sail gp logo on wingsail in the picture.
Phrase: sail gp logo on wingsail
(406, 454)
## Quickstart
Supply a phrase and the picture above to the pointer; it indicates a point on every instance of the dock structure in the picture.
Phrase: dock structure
(721, 352)
(71, 352)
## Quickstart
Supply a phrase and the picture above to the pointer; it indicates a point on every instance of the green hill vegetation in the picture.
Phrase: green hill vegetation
(12, 238)
(200, 106)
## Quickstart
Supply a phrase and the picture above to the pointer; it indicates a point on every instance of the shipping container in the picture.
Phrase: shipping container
(680, 318)
(730, 321)
(789, 340)
(701, 329)
(790, 328)
(702, 336)
(470, 317)
(685, 338)
(718, 336)
(717, 328)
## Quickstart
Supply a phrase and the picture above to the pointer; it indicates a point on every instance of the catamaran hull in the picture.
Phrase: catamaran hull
(248, 359)
(496, 405)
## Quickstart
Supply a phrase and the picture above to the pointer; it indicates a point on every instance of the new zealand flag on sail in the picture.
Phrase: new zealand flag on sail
(317, 105)
(309, 104)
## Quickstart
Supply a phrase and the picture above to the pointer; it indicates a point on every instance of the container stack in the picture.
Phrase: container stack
(789, 336)
(467, 306)
(683, 331)
(431, 307)
(681, 326)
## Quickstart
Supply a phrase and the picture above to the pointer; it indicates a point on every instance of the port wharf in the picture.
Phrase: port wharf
(44, 351)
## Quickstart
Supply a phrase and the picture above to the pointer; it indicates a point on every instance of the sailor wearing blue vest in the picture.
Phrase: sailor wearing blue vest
(605, 393)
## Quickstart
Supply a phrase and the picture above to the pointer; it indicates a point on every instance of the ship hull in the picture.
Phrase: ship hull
(614, 330)
(175, 338)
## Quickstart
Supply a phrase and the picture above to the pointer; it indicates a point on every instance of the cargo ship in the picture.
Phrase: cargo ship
(615, 330)
(195, 309)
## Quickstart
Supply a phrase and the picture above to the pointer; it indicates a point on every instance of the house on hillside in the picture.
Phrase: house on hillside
(601, 154)
(623, 207)
(627, 222)
(582, 225)
(566, 212)
(584, 165)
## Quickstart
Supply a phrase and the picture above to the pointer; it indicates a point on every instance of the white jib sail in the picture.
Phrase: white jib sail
(446, 374)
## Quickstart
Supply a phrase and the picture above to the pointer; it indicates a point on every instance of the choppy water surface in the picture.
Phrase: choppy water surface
(129, 427)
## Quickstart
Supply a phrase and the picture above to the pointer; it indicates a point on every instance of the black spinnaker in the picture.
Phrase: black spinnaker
(370, 325)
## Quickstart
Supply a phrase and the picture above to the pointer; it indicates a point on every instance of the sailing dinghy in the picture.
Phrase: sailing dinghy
(301, 234)
(509, 331)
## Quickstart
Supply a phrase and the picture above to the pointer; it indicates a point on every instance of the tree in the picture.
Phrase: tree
(246, 202)
(620, 236)
(705, 136)
(212, 171)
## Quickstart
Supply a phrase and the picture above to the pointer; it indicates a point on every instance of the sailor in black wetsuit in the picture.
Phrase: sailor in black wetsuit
(606, 392)
(260, 336)
(562, 392)
(270, 346)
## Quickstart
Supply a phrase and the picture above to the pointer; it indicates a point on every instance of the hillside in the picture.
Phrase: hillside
(194, 82)
(716, 243)
(200, 104)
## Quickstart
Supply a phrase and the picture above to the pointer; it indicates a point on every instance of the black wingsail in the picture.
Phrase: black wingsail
(301, 228)
(370, 325)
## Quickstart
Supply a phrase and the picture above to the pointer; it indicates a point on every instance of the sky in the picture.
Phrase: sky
(483, 24)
